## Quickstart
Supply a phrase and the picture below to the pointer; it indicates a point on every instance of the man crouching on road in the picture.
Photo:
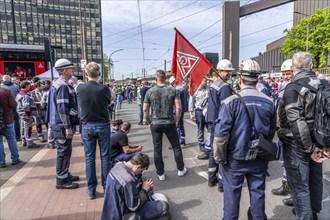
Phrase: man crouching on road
(127, 196)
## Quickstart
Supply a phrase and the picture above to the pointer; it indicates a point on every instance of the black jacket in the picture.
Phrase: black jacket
(297, 112)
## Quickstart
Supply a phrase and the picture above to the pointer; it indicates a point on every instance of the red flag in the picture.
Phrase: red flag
(188, 61)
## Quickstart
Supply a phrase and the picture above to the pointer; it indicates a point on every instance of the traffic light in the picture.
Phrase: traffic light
(47, 49)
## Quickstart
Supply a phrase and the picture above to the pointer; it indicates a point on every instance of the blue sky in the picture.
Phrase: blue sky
(199, 21)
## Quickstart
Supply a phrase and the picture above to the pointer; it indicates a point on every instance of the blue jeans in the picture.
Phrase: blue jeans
(157, 132)
(200, 121)
(129, 98)
(141, 113)
(92, 133)
(12, 144)
(119, 101)
(111, 107)
(305, 182)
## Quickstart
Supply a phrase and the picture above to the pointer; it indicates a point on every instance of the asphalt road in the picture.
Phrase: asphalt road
(190, 197)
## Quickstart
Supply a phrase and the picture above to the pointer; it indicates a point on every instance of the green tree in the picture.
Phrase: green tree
(105, 68)
(318, 26)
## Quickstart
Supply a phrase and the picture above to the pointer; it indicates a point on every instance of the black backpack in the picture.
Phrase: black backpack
(321, 128)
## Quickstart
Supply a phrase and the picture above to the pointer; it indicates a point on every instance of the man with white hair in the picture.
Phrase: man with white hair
(62, 115)
(302, 155)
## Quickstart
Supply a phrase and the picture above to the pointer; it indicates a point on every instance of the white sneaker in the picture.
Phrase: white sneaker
(182, 172)
(162, 177)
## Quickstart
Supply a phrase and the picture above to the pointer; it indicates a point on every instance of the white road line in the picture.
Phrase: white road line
(6, 188)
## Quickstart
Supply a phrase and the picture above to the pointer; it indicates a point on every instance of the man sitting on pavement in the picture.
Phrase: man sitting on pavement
(116, 124)
(121, 150)
(126, 197)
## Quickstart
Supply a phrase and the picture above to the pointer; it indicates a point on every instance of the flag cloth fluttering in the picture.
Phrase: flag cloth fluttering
(187, 61)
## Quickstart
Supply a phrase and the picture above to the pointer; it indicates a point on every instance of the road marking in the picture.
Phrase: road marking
(6, 188)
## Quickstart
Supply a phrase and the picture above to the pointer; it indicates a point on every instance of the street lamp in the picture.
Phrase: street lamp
(297, 12)
(110, 63)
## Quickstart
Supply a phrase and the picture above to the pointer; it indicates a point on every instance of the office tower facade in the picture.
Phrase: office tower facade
(73, 26)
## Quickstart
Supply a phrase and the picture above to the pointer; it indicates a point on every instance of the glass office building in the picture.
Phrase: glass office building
(64, 22)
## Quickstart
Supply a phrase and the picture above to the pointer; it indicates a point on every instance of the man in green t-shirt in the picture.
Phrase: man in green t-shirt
(162, 98)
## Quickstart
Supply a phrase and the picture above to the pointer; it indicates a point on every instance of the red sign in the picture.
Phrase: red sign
(23, 69)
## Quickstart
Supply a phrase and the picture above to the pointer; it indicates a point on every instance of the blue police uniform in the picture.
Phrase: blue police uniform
(233, 133)
(62, 113)
(184, 97)
(218, 91)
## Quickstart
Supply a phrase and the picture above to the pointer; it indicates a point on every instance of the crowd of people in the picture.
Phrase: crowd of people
(233, 117)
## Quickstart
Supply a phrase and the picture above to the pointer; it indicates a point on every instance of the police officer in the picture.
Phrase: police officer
(231, 144)
(62, 115)
(219, 90)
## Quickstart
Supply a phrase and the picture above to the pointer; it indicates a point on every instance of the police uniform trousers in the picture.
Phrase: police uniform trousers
(64, 150)
(233, 174)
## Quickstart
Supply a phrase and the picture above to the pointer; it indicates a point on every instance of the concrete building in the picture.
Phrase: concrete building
(74, 25)
(271, 60)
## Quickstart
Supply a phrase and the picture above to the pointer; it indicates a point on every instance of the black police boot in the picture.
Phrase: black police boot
(66, 184)
(73, 178)
(250, 215)
(220, 186)
(213, 180)
(288, 201)
(283, 190)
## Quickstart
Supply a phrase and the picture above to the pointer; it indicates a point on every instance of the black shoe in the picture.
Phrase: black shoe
(34, 145)
(220, 188)
(18, 139)
(14, 162)
(90, 195)
(24, 143)
(288, 201)
(73, 178)
(67, 185)
(212, 183)
(203, 156)
(283, 190)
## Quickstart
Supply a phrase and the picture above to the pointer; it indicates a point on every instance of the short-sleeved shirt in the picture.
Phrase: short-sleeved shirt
(161, 99)
(118, 141)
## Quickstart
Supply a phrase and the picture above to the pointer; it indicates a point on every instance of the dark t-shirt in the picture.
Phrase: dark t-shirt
(161, 99)
(93, 101)
(118, 141)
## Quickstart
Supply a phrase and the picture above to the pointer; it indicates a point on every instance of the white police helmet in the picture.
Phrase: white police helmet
(171, 79)
(225, 64)
(63, 64)
(250, 70)
(286, 65)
